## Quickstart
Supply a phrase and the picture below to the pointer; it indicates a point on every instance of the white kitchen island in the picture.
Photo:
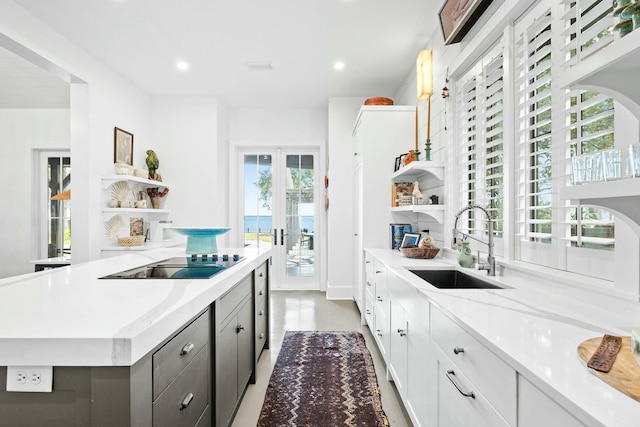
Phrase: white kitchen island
(514, 348)
(109, 338)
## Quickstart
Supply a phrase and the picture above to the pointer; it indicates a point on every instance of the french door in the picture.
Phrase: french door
(281, 208)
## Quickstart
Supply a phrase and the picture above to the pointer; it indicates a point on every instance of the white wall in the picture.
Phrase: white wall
(110, 101)
(21, 132)
(342, 117)
(278, 127)
(184, 135)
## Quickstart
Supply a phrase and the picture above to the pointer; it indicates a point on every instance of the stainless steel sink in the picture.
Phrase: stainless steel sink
(453, 279)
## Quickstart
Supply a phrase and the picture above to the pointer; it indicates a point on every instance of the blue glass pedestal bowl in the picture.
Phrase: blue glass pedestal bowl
(201, 240)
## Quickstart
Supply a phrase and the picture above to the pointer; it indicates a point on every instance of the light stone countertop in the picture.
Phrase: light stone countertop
(68, 317)
(536, 327)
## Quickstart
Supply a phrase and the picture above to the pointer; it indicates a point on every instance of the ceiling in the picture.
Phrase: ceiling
(25, 85)
(378, 41)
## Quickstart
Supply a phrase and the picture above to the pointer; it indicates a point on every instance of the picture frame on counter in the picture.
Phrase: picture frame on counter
(397, 165)
(122, 146)
(410, 239)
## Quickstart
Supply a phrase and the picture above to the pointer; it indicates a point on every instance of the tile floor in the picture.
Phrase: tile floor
(309, 310)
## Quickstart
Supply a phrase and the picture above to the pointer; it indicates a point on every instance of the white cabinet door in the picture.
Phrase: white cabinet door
(418, 378)
(537, 409)
(398, 348)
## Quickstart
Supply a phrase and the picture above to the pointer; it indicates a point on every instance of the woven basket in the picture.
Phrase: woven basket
(417, 252)
(131, 241)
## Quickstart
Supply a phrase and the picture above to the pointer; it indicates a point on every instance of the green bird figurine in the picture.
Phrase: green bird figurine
(152, 162)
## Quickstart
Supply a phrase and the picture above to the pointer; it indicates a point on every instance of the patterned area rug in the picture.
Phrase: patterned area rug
(323, 379)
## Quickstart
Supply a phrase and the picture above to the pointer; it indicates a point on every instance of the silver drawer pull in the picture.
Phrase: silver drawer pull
(368, 283)
(378, 272)
(378, 332)
(261, 292)
(458, 350)
(450, 375)
(187, 349)
(367, 262)
(239, 328)
(379, 299)
(186, 401)
(402, 332)
(261, 336)
(261, 313)
(260, 275)
(368, 311)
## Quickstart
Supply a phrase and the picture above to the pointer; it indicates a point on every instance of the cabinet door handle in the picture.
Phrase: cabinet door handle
(186, 401)
(450, 375)
(367, 262)
(378, 272)
(402, 332)
(368, 311)
(368, 283)
(379, 299)
(261, 336)
(186, 349)
(458, 350)
(261, 313)
(260, 275)
(239, 328)
(378, 332)
(261, 292)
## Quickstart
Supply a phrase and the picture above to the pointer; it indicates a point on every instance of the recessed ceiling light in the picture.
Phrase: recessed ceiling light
(182, 65)
(259, 66)
(338, 65)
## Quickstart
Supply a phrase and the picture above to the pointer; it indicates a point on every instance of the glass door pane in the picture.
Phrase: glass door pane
(59, 206)
(299, 178)
(258, 192)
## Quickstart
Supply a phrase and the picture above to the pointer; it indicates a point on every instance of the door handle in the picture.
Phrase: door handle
(275, 236)
(282, 236)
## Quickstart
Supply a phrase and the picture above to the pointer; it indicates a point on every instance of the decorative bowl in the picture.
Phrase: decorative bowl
(378, 100)
(131, 241)
(141, 173)
(201, 240)
(123, 169)
(419, 252)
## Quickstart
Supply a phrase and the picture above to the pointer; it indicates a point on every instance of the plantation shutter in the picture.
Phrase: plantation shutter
(481, 112)
(588, 28)
(533, 210)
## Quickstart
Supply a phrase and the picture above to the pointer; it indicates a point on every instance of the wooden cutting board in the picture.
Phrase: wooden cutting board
(624, 376)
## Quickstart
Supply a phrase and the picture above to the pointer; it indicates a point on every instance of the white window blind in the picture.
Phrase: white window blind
(588, 27)
(481, 108)
(534, 197)
(590, 119)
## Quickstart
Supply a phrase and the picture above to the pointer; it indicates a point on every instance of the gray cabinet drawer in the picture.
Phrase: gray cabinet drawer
(228, 303)
(176, 354)
(183, 402)
(261, 327)
(261, 281)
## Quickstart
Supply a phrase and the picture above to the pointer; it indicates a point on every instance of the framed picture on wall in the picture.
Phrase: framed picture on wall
(122, 146)
(458, 16)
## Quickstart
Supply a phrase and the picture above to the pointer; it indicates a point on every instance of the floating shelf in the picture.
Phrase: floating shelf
(134, 210)
(110, 179)
(614, 69)
(434, 211)
(622, 197)
(602, 190)
(418, 168)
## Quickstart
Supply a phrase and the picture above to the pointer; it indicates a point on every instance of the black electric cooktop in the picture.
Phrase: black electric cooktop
(187, 267)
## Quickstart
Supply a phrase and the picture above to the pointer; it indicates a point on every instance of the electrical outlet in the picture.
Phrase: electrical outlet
(30, 378)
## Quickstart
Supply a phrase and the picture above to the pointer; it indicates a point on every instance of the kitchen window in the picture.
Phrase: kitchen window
(481, 127)
(552, 125)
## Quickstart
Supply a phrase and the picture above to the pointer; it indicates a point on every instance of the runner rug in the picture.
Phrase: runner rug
(323, 379)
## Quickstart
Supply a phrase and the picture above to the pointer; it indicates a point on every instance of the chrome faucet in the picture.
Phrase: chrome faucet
(490, 265)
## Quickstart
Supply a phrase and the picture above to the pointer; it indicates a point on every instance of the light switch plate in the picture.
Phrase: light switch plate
(30, 378)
